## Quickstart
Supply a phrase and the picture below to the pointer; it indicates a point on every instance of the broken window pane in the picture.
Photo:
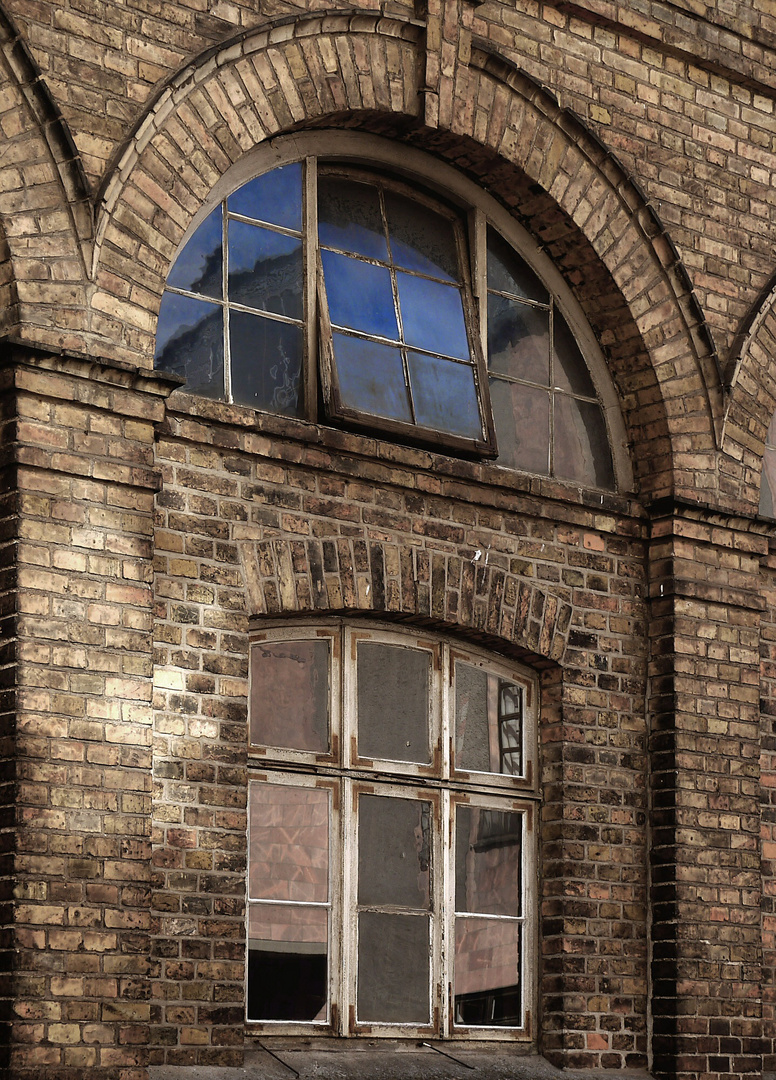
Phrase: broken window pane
(393, 968)
(266, 363)
(289, 843)
(274, 197)
(265, 270)
(287, 962)
(488, 854)
(199, 266)
(290, 695)
(190, 342)
(487, 973)
(394, 852)
(393, 702)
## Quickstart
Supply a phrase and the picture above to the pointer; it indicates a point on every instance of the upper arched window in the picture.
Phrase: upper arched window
(333, 292)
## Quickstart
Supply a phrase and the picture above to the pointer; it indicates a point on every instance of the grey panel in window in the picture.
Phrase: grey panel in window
(570, 370)
(289, 844)
(421, 239)
(445, 396)
(371, 377)
(522, 418)
(190, 342)
(488, 855)
(349, 217)
(265, 269)
(432, 316)
(487, 973)
(518, 340)
(266, 363)
(360, 295)
(275, 197)
(289, 704)
(507, 272)
(393, 968)
(393, 702)
(394, 852)
(199, 266)
(474, 733)
(581, 446)
(287, 962)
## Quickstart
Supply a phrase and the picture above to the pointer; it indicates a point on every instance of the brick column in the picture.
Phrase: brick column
(704, 710)
(82, 444)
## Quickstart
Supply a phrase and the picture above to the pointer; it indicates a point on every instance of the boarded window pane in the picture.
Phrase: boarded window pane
(394, 852)
(507, 272)
(266, 363)
(393, 702)
(290, 695)
(488, 854)
(445, 396)
(421, 239)
(190, 342)
(581, 446)
(432, 316)
(289, 843)
(360, 295)
(522, 418)
(518, 340)
(199, 266)
(265, 270)
(487, 973)
(287, 962)
(275, 197)
(349, 217)
(393, 968)
(371, 377)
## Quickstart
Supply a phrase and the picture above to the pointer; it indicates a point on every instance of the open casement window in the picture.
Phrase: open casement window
(392, 804)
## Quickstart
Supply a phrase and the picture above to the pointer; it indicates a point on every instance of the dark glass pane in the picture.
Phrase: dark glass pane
(199, 266)
(432, 316)
(522, 418)
(570, 371)
(289, 844)
(371, 377)
(275, 197)
(421, 239)
(487, 973)
(265, 269)
(290, 695)
(394, 852)
(507, 272)
(393, 962)
(349, 217)
(266, 363)
(518, 340)
(768, 483)
(488, 722)
(445, 396)
(287, 962)
(190, 342)
(581, 446)
(488, 853)
(360, 295)
(393, 690)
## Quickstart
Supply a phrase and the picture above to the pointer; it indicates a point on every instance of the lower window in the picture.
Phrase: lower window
(391, 836)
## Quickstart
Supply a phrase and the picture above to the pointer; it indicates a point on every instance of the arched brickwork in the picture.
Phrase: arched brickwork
(286, 576)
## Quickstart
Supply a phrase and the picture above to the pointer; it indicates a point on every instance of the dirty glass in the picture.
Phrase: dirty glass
(265, 270)
(360, 295)
(518, 340)
(199, 266)
(349, 217)
(488, 722)
(487, 973)
(393, 702)
(421, 239)
(371, 377)
(289, 684)
(768, 482)
(581, 446)
(570, 369)
(445, 395)
(393, 968)
(508, 273)
(287, 962)
(522, 418)
(394, 852)
(275, 197)
(488, 853)
(266, 363)
(289, 843)
(432, 316)
(190, 342)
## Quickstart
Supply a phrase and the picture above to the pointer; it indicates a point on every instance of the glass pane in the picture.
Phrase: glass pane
(570, 371)
(349, 217)
(266, 363)
(265, 269)
(522, 418)
(487, 861)
(432, 316)
(371, 377)
(581, 446)
(360, 295)
(393, 968)
(275, 197)
(518, 340)
(199, 266)
(768, 483)
(289, 843)
(290, 695)
(487, 973)
(421, 239)
(393, 702)
(287, 962)
(190, 342)
(445, 396)
(507, 272)
(394, 851)
(488, 722)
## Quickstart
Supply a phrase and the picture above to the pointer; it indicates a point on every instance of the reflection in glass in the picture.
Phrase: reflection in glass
(371, 377)
(522, 418)
(287, 962)
(349, 217)
(581, 446)
(508, 273)
(394, 852)
(518, 340)
(265, 269)
(275, 197)
(487, 973)
(421, 239)
(393, 968)
(445, 396)
(290, 695)
(199, 266)
(266, 363)
(360, 295)
(393, 702)
(432, 316)
(289, 843)
(570, 369)
(487, 861)
(190, 342)
(488, 722)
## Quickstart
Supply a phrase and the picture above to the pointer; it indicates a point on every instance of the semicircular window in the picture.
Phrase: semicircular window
(332, 294)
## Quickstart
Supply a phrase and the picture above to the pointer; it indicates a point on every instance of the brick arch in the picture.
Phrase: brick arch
(286, 576)
(368, 71)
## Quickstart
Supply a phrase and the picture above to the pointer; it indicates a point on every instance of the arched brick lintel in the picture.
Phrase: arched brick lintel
(306, 576)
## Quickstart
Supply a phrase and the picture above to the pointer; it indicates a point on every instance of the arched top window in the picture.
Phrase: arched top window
(335, 291)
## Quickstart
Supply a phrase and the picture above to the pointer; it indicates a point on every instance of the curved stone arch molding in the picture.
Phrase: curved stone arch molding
(287, 575)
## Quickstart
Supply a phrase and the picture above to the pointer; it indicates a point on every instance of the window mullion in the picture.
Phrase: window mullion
(347, 928)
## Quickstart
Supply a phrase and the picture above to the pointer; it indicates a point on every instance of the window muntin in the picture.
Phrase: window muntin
(401, 846)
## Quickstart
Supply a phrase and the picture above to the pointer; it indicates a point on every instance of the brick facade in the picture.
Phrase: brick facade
(145, 531)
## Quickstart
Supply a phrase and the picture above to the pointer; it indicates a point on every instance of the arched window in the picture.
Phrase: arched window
(392, 823)
(338, 292)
